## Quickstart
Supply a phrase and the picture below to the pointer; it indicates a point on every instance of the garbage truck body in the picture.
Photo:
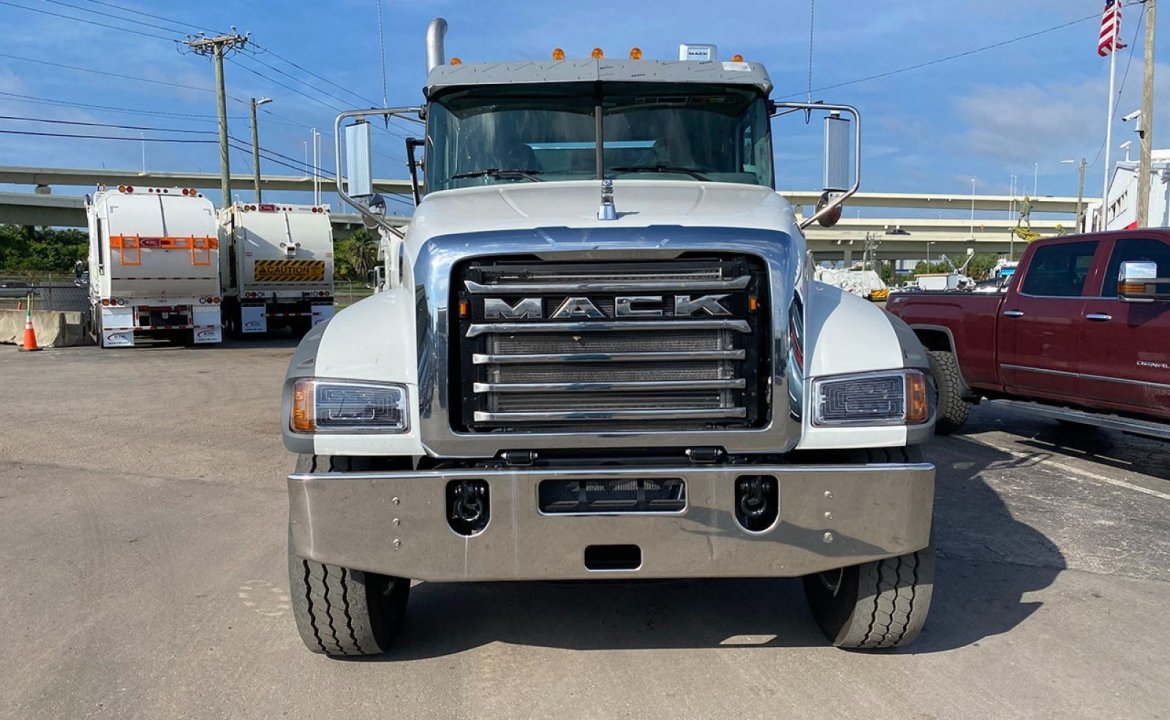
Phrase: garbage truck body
(277, 269)
(153, 266)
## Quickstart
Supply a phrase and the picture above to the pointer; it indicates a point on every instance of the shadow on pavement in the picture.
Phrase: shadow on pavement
(987, 562)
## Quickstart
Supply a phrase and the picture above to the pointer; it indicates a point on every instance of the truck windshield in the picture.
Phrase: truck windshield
(547, 132)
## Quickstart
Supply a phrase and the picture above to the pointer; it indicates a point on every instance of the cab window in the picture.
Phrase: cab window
(1059, 270)
(1129, 249)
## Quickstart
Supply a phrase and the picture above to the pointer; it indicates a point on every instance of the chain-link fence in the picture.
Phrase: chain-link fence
(47, 292)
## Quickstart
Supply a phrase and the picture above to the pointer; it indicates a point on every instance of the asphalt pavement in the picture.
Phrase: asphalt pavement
(142, 575)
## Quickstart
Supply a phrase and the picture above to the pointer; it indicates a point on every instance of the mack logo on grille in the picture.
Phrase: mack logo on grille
(625, 306)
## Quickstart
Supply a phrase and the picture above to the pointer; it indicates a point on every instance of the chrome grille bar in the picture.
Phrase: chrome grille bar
(632, 285)
(698, 355)
(478, 329)
(635, 386)
(616, 414)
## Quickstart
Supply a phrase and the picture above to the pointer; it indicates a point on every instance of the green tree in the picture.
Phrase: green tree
(362, 253)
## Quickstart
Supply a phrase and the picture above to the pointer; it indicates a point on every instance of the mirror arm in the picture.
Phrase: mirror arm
(783, 108)
(339, 176)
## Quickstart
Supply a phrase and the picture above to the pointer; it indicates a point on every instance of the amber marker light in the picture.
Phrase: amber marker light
(635, 53)
(456, 61)
(558, 54)
(737, 58)
(302, 406)
(753, 304)
(917, 405)
(597, 54)
(464, 308)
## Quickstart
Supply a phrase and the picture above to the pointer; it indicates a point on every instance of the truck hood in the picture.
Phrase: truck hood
(640, 203)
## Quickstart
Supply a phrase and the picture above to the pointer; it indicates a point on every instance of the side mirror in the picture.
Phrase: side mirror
(1138, 281)
(376, 278)
(842, 157)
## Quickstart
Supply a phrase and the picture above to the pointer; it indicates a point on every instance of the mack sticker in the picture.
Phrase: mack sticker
(290, 270)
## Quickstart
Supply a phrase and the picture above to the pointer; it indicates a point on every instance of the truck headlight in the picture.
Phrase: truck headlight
(345, 406)
(880, 398)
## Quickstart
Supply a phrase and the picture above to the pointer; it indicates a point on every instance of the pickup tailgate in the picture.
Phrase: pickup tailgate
(961, 321)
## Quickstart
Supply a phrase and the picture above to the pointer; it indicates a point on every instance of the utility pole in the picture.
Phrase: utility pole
(256, 146)
(217, 47)
(1147, 130)
(1081, 164)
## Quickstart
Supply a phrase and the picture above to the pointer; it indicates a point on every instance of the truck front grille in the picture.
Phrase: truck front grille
(597, 346)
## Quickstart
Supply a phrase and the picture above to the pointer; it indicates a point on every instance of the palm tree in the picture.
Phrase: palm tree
(363, 253)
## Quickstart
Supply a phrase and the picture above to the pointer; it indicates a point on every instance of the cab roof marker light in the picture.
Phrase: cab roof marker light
(636, 53)
(597, 54)
(558, 54)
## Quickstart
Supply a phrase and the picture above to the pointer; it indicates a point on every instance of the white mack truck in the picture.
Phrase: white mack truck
(153, 266)
(599, 353)
(277, 267)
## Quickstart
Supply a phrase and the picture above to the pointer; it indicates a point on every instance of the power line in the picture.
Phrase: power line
(948, 58)
(87, 22)
(105, 137)
(110, 108)
(296, 79)
(104, 125)
(108, 74)
(107, 15)
(303, 69)
(155, 17)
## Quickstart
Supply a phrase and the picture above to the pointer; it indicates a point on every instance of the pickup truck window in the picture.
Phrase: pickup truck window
(1128, 249)
(1059, 270)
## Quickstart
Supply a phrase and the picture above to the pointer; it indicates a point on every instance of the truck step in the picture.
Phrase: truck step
(1147, 428)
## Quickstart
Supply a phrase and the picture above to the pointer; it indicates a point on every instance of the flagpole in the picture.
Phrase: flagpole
(1102, 215)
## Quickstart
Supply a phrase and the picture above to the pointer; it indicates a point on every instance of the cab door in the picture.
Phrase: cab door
(1040, 327)
(1126, 361)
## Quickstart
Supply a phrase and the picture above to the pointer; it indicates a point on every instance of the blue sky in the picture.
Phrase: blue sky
(987, 115)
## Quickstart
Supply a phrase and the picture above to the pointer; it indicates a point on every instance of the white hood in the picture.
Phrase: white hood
(640, 203)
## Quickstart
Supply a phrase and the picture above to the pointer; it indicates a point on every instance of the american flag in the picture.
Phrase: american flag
(1110, 39)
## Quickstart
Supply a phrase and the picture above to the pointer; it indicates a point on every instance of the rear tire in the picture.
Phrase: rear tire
(879, 604)
(952, 408)
(339, 611)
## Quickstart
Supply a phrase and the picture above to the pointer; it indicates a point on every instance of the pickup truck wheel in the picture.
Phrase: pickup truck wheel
(879, 604)
(340, 611)
(952, 408)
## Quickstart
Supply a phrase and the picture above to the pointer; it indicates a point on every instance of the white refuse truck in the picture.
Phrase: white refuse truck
(153, 266)
(277, 267)
(600, 353)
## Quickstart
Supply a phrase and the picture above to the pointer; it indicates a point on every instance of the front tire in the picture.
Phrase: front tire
(952, 408)
(339, 611)
(878, 604)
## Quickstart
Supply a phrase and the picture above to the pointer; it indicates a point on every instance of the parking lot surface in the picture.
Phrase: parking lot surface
(142, 547)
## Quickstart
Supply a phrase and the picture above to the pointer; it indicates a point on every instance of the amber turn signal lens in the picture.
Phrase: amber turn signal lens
(558, 54)
(302, 407)
(635, 53)
(737, 58)
(456, 61)
(464, 308)
(597, 54)
(753, 303)
(917, 403)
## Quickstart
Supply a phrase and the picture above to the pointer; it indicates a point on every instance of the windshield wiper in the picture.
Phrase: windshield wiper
(676, 169)
(498, 173)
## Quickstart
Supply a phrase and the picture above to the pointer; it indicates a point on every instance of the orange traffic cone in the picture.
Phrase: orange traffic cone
(30, 335)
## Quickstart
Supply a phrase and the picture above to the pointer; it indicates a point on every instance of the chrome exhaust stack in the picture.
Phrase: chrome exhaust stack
(435, 33)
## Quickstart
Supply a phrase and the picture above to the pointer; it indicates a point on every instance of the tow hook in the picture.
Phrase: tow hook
(468, 506)
(757, 502)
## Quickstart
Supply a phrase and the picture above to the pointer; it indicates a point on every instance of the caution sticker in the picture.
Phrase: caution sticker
(290, 270)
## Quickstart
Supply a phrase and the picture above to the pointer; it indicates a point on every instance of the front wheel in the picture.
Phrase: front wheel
(342, 612)
(880, 604)
(952, 408)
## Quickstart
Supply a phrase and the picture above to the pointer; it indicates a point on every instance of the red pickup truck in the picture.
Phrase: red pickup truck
(1082, 332)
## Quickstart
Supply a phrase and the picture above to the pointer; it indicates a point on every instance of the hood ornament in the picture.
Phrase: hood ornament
(607, 211)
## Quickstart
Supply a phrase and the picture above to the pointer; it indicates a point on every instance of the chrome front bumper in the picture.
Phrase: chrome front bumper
(395, 524)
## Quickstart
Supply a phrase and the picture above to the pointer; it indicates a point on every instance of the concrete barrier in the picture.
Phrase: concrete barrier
(54, 329)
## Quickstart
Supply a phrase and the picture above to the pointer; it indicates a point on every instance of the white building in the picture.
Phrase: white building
(1121, 211)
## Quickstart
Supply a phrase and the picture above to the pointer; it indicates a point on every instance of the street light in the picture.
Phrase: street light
(256, 145)
(1080, 188)
(972, 208)
(928, 244)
